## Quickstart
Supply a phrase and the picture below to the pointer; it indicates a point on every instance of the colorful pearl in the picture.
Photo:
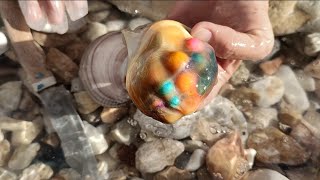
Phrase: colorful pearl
(176, 60)
(186, 82)
(194, 45)
(174, 101)
(166, 88)
(197, 58)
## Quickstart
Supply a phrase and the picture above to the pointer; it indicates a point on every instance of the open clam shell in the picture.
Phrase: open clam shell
(103, 70)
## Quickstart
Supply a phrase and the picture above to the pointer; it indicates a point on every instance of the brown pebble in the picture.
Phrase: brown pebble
(111, 115)
(272, 66)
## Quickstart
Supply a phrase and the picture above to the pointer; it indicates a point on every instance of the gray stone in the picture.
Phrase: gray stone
(172, 173)
(115, 25)
(313, 68)
(196, 160)
(96, 139)
(69, 174)
(124, 133)
(305, 80)
(240, 76)
(23, 155)
(192, 145)
(94, 31)
(293, 93)
(156, 155)
(136, 22)
(182, 128)
(260, 118)
(36, 171)
(95, 6)
(4, 152)
(4, 46)
(7, 175)
(270, 90)
(106, 164)
(99, 16)
(10, 95)
(76, 85)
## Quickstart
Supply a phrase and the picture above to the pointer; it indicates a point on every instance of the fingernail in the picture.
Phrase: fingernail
(202, 34)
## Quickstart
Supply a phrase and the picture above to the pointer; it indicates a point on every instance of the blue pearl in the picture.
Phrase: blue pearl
(197, 58)
(166, 88)
(174, 101)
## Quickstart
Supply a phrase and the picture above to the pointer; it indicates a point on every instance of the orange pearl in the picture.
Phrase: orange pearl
(186, 82)
(190, 104)
(176, 60)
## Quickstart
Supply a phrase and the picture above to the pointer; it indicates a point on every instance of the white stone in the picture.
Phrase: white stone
(115, 25)
(196, 160)
(69, 174)
(4, 152)
(1, 136)
(36, 171)
(312, 44)
(123, 132)
(306, 81)
(94, 31)
(10, 95)
(264, 174)
(136, 22)
(23, 156)
(99, 16)
(23, 132)
(156, 155)
(250, 154)
(192, 145)
(182, 128)
(261, 118)
(293, 93)
(7, 175)
(270, 90)
(106, 164)
(3, 43)
(96, 138)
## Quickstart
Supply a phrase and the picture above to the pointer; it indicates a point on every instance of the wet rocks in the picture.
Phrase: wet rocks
(313, 69)
(7, 175)
(260, 118)
(226, 160)
(4, 152)
(312, 44)
(196, 160)
(172, 173)
(156, 155)
(23, 155)
(3, 43)
(95, 30)
(61, 65)
(96, 139)
(115, 25)
(244, 98)
(293, 93)
(52, 39)
(124, 133)
(136, 22)
(275, 147)
(240, 76)
(264, 174)
(111, 115)
(85, 104)
(305, 80)
(272, 66)
(37, 171)
(270, 90)
(10, 95)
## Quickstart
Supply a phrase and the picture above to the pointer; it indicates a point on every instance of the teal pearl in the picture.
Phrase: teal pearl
(166, 88)
(197, 57)
(174, 101)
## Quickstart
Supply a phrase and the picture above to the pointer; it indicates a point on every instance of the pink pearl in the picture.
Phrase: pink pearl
(194, 45)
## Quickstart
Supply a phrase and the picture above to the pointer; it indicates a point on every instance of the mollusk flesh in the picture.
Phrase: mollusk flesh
(167, 73)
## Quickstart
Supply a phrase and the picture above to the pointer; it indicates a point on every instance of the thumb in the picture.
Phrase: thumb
(231, 44)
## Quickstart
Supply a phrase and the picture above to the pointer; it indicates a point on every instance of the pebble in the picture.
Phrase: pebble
(244, 98)
(136, 22)
(306, 81)
(192, 145)
(106, 163)
(274, 147)
(96, 138)
(75, 50)
(10, 95)
(68, 174)
(272, 66)
(293, 93)
(51, 40)
(85, 104)
(124, 133)
(51, 139)
(111, 115)
(95, 6)
(264, 174)
(23, 155)
(250, 155)
(76, 85)
(226, 159)
(92, 118)
(260, 118)
(1, 136)
(196, 160)
(7, 175)
(115, 25)
(23, 132)
(312, 44)
(98, 16)
(313, 68)
(182, 128)
(61, 65)
(240, 76)
(4, 152)
(303, 173)
(3, 43)
(156, 155)
(94, 31)
(203, 174)
(36, 171)
(173, 173)
(270, 90)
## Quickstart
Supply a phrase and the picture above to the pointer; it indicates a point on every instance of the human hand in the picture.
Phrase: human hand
(237, 30)
(50, 15)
